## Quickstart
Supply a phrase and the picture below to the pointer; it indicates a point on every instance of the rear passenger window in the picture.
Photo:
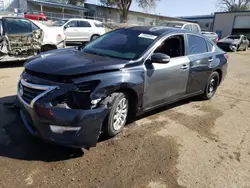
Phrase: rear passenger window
(195, 28)
(196, 45)
(188, 27)
(84, 24)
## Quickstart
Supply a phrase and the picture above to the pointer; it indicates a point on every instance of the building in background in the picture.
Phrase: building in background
(228, 23)
(205, 21)
(54, 11)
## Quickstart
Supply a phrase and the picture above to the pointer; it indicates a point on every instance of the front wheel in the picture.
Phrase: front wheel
(117, 117)
(212, 85)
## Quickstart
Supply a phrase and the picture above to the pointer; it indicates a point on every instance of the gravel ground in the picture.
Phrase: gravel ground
(188, 144)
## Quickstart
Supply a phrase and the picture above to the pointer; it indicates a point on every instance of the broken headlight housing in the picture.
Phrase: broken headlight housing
(77, 99)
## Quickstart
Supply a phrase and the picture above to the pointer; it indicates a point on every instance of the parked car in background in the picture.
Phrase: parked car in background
(22, 38)
(211, 35)
(234, 43)
(183, 25)
(80, 30)
(35, 15)
(94, 89)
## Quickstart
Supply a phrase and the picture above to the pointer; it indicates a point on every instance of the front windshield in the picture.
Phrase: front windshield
(233, 37)
(173, 24)
(59, 23)
(122, 43)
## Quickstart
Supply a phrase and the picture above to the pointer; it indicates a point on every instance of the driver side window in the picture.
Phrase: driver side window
(72, 24)
(173, 46)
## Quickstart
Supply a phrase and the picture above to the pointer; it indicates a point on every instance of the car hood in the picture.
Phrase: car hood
(71, 61)
(229, 41)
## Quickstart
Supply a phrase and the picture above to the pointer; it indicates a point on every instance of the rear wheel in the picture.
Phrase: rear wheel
(212, 85)
(94, 37)
(117, 117)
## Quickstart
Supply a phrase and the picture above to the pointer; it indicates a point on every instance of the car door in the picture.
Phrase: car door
(165, 82)
(85, 30)
(71, 30)
(201, 62)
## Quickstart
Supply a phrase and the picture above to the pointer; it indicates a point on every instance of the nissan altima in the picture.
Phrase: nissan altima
(72, 96)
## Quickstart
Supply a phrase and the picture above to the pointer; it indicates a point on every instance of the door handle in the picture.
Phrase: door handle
(210, 59)
(184, 67)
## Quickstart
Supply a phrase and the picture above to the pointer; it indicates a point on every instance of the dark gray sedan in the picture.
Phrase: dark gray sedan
(71, 96)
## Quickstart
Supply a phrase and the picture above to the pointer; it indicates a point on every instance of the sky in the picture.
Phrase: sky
(177, 7)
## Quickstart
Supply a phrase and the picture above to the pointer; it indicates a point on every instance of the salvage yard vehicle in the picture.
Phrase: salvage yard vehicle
(80, 30)
(22, 38)
(234, 43)
(96, 88)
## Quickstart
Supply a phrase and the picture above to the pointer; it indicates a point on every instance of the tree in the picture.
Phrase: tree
(124, 5)
(234, 5)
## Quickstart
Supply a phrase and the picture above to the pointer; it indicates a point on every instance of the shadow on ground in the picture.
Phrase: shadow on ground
(11, 64)
(17, 143)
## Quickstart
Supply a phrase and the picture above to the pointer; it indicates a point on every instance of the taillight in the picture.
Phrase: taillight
(226, 56)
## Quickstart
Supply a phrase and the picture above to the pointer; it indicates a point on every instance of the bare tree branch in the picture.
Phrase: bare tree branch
(233, 5)
(124, 5)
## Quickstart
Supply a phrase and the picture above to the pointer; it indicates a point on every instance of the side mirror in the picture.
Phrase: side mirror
(160, 58)
(66, 26)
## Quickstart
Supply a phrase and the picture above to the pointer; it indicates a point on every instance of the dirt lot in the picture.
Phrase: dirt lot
(188, 144)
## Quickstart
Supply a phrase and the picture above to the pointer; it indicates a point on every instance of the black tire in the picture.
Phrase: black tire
(94, 37)
(211, 86)
(109, 127)
(46, 48)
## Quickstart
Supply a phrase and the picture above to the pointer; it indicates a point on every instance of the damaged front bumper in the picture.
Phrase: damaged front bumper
(68, 127)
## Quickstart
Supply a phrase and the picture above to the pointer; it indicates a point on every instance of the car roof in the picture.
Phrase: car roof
(159, 30)
(181, 22)
(82, 19)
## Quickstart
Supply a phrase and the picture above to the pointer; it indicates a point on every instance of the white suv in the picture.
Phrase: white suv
(80, 30)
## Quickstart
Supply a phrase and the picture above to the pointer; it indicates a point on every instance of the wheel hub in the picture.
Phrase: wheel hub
(120, 114)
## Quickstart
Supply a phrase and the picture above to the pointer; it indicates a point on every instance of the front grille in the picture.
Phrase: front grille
(30, 93)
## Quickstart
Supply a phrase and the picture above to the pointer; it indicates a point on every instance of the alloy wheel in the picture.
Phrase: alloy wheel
(120, 115)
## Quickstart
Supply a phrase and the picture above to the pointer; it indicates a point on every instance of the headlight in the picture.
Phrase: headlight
(78, 99)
